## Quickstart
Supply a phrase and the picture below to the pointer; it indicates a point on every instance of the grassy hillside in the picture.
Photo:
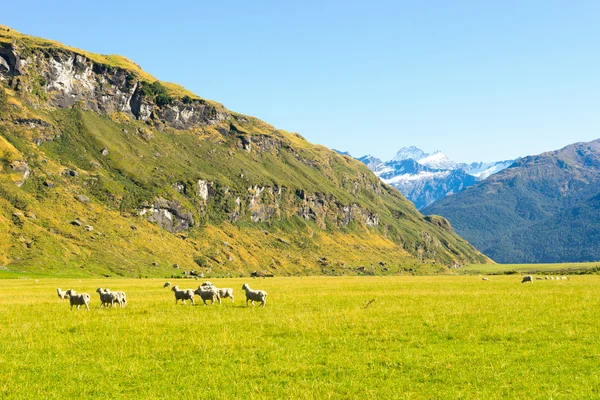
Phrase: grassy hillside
(109, 173)
(438, 337)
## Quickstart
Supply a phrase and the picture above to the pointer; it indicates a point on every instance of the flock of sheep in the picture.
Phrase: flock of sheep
(206, 291)
(529, 278)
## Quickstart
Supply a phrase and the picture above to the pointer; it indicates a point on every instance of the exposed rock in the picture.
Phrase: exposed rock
(82, 198)
(48, 184)
(31, 215)
(282, 240)
(88, 228)
(104, 151)
(71, 172)
(176, 266)
(132, 226)
(168, 214)
(22, 168)
(76, 222)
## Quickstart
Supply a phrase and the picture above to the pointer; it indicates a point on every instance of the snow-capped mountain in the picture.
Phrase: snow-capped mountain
(424, 178)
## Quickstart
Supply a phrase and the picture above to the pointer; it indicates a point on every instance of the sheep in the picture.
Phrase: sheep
(527, 278)
(538, 278)
(61, 294)
(484, 279)
(564, 278)
(208, 293)
(183, 295)
(167, 284)
(120, 298)
(546, 278)
(78, 300)
(223, 292)
(254, 295)
(108, 297)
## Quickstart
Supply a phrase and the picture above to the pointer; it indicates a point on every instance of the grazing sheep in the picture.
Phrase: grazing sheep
(538, 278)
(484, 279)
(223, 292)
(78, 300)
(167, 284)
(254, 295)
(208, 293)
(527, 278)
(564, 278)
(61, 295)
(183, 295)
(546, 278)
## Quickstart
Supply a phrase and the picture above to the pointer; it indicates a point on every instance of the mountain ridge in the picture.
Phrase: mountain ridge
(424, 178)
(97, 160)
(532, 206)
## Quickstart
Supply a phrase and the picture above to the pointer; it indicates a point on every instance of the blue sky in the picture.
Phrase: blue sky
(479, 80)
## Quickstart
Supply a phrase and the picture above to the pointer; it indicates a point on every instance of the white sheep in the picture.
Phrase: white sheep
(108, 297)
(223, 292)
(78, 300)
(167, 284)
(564, 278)
(254, 295)
(208, 293)
(484, 279)
(183, 295)
(61, 294)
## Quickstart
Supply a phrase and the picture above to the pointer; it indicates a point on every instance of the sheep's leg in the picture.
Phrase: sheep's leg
(252, 301)
(87, 307)
(247, 299)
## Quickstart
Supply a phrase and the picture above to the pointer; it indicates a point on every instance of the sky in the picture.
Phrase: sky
(479, 80)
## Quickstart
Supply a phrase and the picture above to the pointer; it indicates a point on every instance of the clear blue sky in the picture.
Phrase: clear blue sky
(479, 80)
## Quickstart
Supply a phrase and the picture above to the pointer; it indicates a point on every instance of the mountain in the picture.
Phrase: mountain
(542, 208)
(425, 178)
(105, 170)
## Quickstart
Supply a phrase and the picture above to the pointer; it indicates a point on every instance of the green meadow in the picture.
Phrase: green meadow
(442, 337)
(551, 269)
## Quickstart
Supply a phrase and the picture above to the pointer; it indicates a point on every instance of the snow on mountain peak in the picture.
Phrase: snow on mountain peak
(411, 152)
(437, 160)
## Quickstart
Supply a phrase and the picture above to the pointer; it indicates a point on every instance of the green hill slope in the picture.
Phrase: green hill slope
(104, 170)
(543, 209)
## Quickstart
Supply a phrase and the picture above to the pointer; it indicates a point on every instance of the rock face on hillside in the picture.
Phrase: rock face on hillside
(68, 79)
(93, 139)
(541, 209)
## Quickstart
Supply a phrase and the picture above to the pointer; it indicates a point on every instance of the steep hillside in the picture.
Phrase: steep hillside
(541, 209)
(105, 170)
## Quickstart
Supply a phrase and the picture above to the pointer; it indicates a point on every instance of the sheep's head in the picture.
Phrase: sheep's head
(245, 286)
(99, 290)
(175, 288)
(70, 292)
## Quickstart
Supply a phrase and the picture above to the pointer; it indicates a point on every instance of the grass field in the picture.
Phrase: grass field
(561, 268)
(422, 337)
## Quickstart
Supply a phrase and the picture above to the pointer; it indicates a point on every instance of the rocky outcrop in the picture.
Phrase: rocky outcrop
(168, 214)
(22, 168)
(68, 78)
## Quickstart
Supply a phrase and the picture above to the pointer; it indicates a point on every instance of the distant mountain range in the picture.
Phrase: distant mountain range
(543, 208)
(424, 178)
